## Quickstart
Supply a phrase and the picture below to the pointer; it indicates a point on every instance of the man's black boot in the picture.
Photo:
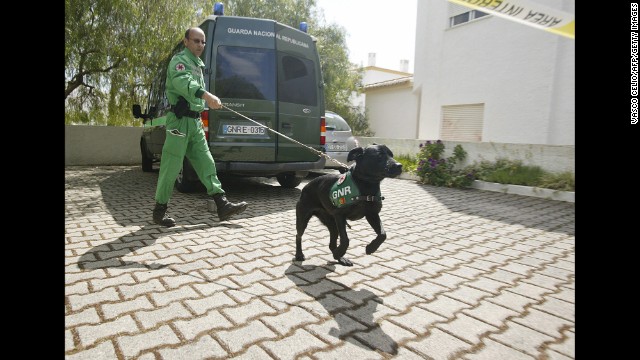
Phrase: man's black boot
(159, 216)
(227, 209)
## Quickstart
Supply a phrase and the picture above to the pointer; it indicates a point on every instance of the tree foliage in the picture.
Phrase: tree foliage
(113, 48)
(341, 78)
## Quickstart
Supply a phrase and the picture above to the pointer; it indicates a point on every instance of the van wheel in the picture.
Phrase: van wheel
(183, 184)
(288, 180)
(147, 162)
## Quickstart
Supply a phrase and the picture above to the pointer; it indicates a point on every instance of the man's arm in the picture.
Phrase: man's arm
(212, 101)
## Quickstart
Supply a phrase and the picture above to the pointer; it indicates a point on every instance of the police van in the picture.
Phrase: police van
(266, 71)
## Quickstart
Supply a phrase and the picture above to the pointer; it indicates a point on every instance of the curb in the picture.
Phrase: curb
(568, 196)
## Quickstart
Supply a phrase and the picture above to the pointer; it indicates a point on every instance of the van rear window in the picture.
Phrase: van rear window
(245, 73)
(250, 73)
(297, 80)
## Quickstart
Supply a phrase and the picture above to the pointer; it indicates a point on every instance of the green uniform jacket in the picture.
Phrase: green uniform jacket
(184, 78)
(185, 136)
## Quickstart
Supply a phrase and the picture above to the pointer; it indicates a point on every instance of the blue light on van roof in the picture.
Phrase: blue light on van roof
(218, 8)
(303, 26)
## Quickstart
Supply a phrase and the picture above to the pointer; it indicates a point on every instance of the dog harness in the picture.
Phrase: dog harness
(345, 192)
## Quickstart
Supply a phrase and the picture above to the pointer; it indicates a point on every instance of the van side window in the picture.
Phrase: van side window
(297, 80)
(245, 73)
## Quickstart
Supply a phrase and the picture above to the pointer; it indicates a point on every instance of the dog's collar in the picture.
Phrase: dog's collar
(345, 192)
(369, 198)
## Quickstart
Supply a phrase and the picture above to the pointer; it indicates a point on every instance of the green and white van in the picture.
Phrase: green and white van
(266, 71)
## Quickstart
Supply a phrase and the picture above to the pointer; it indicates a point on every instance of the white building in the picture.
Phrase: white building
(490, 79)
(389, 101)
(478, 78)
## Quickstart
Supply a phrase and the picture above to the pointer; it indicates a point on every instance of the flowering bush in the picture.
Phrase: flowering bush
(434, 169)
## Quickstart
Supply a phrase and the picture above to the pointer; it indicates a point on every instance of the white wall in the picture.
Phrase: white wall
(392, 111)
(524, 76)
(108, 145)
(102, 145)
(373, 74)
(552, 158)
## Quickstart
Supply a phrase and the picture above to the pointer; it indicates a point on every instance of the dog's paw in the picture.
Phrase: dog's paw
(300, 257)
(345, 262)
(371, 248)
(368, 251)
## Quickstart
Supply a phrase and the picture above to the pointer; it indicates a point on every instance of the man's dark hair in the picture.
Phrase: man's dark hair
(186, 33)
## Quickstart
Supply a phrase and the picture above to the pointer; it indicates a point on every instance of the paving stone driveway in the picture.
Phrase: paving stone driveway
(464, 274)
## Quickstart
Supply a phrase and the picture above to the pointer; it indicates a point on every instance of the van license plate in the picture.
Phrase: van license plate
(336, 147)
(243, 130)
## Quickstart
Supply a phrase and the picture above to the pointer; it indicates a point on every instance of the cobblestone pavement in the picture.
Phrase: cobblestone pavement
(463, 274)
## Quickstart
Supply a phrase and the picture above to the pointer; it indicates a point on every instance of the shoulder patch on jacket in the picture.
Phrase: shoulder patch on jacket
(180, 67)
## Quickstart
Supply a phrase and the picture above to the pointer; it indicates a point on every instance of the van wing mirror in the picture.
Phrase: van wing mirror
(137, 111)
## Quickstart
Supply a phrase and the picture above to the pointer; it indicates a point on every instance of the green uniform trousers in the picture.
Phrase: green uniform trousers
(185, 137)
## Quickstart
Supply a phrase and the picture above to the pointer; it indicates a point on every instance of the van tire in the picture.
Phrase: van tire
(288, 180)
(147, 162)
(183, 184)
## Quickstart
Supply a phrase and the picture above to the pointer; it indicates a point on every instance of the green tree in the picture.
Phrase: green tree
(113, 48)
(288, 12)
(341, 78)
(111, 51)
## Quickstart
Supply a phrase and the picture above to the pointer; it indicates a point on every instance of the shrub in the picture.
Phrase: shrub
(504, 171)
(563, 181)
(434, 169)
(408, 163)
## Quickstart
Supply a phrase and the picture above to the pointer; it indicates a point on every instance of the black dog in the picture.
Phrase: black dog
(355, 194)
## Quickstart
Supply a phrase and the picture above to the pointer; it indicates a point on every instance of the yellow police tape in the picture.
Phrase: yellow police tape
(528, 13)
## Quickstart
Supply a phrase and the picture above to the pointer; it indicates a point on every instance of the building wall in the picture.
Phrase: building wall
(374, 74)
(108, 145)
(392, 111)
(552, 158)
(102, 145)
(524, 76)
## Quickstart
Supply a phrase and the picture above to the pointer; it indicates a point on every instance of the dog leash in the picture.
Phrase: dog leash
(319, 153)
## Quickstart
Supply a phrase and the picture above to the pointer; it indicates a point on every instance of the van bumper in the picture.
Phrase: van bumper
(268, 169)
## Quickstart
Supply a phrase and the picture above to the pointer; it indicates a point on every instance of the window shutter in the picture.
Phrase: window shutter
(462, 122)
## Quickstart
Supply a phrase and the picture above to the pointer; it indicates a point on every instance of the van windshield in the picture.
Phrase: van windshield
(245, 73)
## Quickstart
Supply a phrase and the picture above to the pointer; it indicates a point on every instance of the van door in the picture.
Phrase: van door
(241, 64)
(300, 99)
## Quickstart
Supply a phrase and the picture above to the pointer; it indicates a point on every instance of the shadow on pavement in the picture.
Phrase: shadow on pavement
(128, 195)
(530, 212)
(313, 281)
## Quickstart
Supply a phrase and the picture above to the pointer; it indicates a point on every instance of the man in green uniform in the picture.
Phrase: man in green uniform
(186, 93)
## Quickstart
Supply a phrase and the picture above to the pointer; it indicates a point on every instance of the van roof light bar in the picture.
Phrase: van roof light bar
(218, 8)
(303, 26)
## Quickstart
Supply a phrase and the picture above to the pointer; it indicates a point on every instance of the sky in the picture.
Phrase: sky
(387, 28)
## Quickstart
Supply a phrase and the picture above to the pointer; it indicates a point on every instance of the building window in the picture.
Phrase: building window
(459, 14)
(478, 14)
(462, 122)
(459, 19)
